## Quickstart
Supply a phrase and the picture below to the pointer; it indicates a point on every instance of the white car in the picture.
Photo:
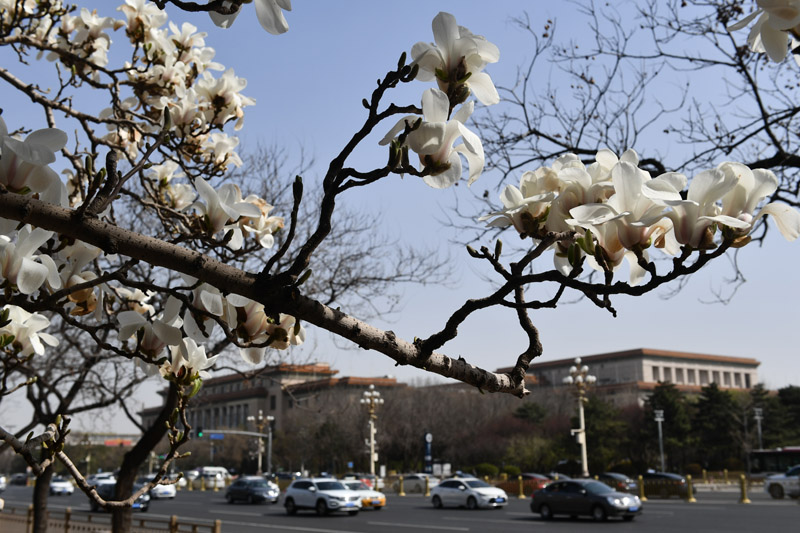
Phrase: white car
(786, 484)
(469, 493)
(416, 482)
(60, 486)
(159, 491)
(101, 477)
(324, 495)
(369, 498)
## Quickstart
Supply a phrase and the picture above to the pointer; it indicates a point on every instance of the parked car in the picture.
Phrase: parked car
(105, 489)
(3, 483)
(470, 493)
(416, 482)
(537, 480)
(324, 495)
(369, 498)
(101, 477)
(665, 485)
(252, 489)
(159, 491)
(786, 484)
(60, 485)
(619, 482)
(19, 479)
(575, 497)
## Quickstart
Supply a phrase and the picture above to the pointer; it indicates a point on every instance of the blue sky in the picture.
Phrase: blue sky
(308, 85)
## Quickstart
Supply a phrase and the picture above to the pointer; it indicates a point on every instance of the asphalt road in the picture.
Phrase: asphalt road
(714, 512)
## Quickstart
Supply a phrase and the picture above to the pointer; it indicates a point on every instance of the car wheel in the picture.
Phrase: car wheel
(628, 518)
(472, 503)
(545, 512)
(251, 499)
(145, 508)
(291, 508)
(776, 491)
(229, 497)
(93, 506)
(437, 502)
(322, 508)
(378, 508)
(598, 513)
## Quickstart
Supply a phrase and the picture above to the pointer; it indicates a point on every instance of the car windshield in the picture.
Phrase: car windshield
(595, 487)
(356, 485)
(258, 483)
(330, 485)
(477, 484)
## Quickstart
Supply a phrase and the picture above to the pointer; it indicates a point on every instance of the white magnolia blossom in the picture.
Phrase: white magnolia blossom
(457, 57)
(771, 32)
(618, 207)
(159, 332)
(21, 266)
(189, 358)
(264, 226)
(26, 328)
(222, 210)
(433, 140)
(24, 163)
(269, 13)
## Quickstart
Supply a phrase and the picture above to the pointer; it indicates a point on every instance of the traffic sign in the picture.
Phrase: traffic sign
(216, 436)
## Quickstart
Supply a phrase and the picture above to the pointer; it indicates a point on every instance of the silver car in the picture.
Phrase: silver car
(324, 495)
(470, 493)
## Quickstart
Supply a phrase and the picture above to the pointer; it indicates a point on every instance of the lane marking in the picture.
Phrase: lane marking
(236, 513)
(418, 526)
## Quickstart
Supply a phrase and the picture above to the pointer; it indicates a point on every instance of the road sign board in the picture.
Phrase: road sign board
(216, 436)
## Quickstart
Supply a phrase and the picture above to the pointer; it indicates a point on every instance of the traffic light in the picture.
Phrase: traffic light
(199, 432)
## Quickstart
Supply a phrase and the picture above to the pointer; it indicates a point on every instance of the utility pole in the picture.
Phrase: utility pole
(579, 376)
(371, 399)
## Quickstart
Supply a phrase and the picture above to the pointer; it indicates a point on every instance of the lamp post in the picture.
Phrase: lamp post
(371, 399)
(261, 422)
(660, 418)
(759, 416)
(580, 377)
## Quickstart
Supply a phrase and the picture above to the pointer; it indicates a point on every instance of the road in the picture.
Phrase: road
(714, 512)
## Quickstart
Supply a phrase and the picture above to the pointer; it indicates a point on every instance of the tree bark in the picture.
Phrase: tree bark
(41, 491)
(121, 518)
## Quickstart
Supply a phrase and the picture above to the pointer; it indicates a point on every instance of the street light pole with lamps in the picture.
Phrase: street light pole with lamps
(660, 418)
(758, 413)
(371, 399)
(261, 422)
(579, 376)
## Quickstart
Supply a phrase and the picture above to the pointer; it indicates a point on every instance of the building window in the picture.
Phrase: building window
(678, 375)
(715, 377)
(737, 380)
(747, 381)
(726, 379)
(272, 402)
(656, 374)
(691, 376)
(704, 377)
(667, 374)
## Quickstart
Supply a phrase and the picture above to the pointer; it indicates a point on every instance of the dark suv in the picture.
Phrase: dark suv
(665, 485)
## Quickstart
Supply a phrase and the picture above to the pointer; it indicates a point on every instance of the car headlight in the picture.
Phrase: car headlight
(616, 502)
(337, 498)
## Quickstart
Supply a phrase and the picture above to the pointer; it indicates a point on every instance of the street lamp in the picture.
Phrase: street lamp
(759, 416)
(261, 422)
(660, 418)
(579, 376)
(371, 399)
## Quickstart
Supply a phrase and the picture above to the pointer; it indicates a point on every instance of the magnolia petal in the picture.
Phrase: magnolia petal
(709, 186)
(397, 128)
(637, 273)
(482, 86)
(253, 356)
(726, 220)
(474, 161)
(52, 138)
(775, 42)
(270, 15)
(786, 218)
(744, 22)
(31, 275)
(428, 138)
(435, 105)
(445, 30)
(447, 178)
(171, 336)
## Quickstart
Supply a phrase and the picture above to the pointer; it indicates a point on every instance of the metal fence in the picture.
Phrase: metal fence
(20, 520)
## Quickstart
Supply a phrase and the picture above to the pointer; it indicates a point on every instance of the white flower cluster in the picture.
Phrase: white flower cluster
(778, 23)
(456, 61)
(619, 210)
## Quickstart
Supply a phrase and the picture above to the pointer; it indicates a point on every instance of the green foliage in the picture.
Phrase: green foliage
(531, 453)
(714, 425)
(512, 471)
(486, 469)
(531, 412)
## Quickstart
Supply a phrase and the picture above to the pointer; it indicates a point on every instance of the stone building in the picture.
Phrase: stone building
(225, 402)
(629, 376)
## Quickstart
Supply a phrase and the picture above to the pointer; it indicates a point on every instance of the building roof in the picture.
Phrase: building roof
(643, 352)
(350, 381)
